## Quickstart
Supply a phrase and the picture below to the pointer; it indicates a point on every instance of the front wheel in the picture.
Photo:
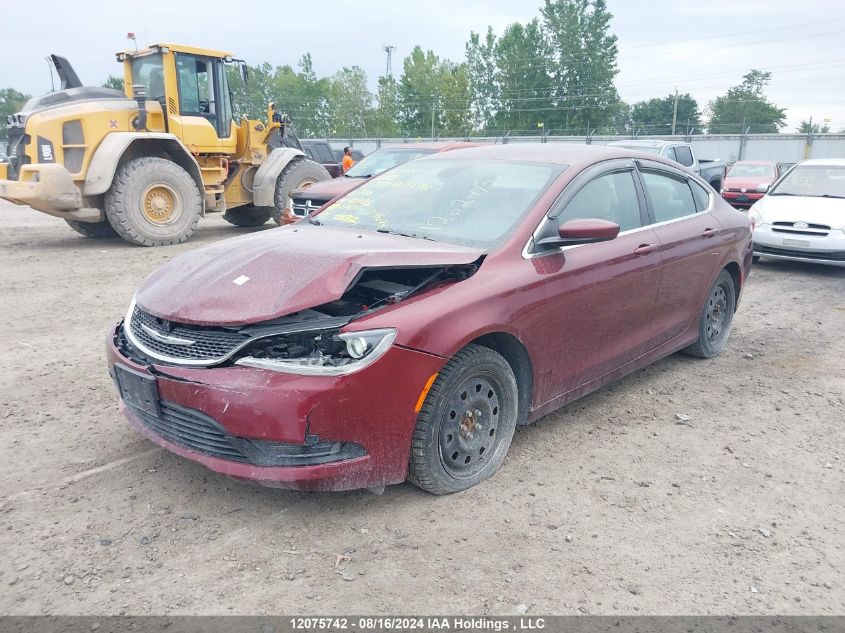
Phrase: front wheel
(714, 324)
(466, 424)
(301, 173)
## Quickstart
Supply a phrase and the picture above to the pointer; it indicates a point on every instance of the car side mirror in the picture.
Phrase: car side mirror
(582, 231)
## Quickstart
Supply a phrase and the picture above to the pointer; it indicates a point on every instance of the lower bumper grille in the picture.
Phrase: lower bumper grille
(200, 433)
(834, 256)
(191, 429)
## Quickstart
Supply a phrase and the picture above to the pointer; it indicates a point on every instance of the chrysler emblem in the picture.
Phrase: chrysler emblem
(743, 190)
(165, 338)
(800, 225)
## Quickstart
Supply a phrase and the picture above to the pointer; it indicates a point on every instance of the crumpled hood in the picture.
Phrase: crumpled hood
(276, 272)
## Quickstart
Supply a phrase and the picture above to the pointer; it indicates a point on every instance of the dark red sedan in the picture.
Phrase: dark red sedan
(407, 329)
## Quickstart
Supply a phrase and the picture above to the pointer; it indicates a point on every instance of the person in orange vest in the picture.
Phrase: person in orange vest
(348, 161)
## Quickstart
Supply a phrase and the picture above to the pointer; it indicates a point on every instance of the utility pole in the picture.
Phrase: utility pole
(389, 48)
(675, 112)
(432, 117)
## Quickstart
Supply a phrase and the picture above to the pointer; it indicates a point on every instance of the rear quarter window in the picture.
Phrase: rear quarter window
(701, 195)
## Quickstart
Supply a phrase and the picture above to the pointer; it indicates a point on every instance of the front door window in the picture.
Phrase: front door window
(203, 91)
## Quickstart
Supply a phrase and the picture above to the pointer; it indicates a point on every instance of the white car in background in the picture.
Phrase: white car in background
(802, 218)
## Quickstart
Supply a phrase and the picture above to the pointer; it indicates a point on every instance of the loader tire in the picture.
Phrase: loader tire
(153, 202)
(248, 216)
(95, 230)
(300, 173)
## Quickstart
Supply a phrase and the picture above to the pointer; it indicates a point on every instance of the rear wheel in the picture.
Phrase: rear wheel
(248, 215)
(153, 202)
(466, 423)
(299, 174)
(714, 324)
(95, 230)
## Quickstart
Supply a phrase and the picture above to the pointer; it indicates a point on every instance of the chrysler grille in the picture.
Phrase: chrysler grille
(180, 342)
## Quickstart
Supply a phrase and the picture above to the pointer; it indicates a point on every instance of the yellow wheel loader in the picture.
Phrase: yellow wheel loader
(147, 164)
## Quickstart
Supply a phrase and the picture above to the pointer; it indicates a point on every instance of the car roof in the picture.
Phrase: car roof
(433, 145)
(555, 153)
(635, 142)
(838, 162)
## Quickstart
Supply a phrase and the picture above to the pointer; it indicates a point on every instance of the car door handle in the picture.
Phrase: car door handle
(709, 232)
(645, 249)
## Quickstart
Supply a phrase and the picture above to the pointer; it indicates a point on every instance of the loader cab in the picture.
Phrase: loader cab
(191, 86)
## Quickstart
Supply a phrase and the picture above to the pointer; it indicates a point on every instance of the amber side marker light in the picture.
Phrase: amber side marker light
(424, 392)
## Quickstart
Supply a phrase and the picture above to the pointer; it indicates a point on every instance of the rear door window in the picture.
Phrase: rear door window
(684, 155)
(670, 195)
(324, 152)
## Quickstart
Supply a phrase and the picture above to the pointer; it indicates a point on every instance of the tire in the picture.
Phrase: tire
(299, 173)
(446, 458)
(95, 230)
(714, 324)
(248, 216)
(153, 202)
(755, 259)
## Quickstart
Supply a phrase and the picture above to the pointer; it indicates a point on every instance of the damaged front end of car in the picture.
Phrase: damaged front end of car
(306, 342)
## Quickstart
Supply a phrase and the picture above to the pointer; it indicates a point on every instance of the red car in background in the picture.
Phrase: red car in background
(748, 180)
(406, 329)
(305, 201)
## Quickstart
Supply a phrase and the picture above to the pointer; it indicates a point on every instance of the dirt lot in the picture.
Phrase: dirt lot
(613, 505)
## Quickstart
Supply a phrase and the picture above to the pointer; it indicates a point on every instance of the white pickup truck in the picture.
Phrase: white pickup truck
(713, 171)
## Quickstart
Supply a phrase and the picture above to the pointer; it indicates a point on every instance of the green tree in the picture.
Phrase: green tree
(655, 115)
(583, 55)
(524, 85)
(745, 106)
(386, 113)
(349, 104)
(11, 101)
(433, 93)
(808, 127)
(482, 78)
(114, 82)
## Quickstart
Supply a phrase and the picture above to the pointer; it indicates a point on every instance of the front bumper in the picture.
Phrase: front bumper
(741, 200)
(372, 410)
(815, 249)
(47, 187)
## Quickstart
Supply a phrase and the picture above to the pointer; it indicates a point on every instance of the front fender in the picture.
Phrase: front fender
(111, 150)
(264, 186)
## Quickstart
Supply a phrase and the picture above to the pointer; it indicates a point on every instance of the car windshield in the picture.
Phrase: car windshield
(648, 149)
(459, 201)
(815, 181)
(746, 170)
(384, 159)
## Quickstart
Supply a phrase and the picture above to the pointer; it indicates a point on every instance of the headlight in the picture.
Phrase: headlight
(319, 354)
(755, 216)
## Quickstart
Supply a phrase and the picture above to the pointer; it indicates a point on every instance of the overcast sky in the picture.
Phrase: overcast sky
(700, 46)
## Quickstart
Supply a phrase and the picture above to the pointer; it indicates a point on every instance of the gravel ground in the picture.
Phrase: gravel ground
(690, 487)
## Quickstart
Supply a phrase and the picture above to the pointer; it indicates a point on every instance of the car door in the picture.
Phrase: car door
(599, 297)
(690, 240)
